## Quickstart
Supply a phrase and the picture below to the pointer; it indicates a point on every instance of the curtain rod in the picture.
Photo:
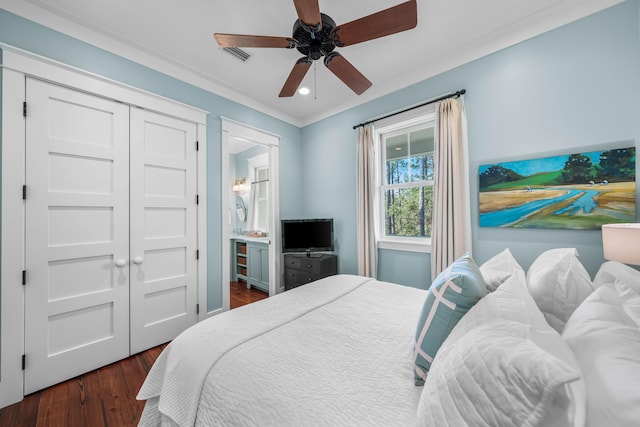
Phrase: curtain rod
(450, 95)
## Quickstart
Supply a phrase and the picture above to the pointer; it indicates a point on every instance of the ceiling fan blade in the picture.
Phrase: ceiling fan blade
(309, 13)
(295, 77)
(386, 22)
(241, 40)
(346, 72)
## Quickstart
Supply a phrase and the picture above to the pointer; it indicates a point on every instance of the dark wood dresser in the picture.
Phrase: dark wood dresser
(300, 269)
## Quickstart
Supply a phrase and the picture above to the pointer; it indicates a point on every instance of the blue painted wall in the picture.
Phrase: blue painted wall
(572, 87)
(35, 38)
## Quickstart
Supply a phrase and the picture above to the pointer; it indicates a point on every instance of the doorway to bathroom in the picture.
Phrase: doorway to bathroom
(251, 220)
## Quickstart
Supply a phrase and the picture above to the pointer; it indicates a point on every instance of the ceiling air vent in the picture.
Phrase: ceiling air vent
(237, 53)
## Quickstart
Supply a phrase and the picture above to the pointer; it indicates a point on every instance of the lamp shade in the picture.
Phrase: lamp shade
(621, 242)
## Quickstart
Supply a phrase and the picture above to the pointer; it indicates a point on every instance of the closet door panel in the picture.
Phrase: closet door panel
(77, 229)
(163, 228)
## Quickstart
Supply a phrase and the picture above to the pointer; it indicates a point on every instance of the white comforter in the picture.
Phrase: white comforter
(334, 352)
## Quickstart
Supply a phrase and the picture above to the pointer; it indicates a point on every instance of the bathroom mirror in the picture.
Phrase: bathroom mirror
(241, 209)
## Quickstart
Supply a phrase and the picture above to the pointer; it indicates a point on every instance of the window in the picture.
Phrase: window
(262, 205)
(405, 183)
(258, 208)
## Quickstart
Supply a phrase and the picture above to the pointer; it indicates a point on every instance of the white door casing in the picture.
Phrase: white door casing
(163, 228)
(232, 129)
(77, 234)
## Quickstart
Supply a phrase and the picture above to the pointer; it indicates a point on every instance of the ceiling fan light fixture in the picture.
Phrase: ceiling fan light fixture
(316, 35)
(304, 91)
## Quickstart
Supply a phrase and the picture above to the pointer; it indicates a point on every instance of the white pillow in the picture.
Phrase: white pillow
(612, 270)
(605, 337)
(499, 268)
(558, 283)
(512, 302)
(494, 375)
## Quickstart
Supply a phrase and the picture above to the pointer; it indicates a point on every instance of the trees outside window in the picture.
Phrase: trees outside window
(407, 174)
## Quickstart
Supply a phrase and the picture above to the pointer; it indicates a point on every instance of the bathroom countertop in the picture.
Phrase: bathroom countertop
(246, 238)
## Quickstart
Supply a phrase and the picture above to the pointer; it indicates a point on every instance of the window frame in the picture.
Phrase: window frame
(254, 164)
(402, 124)
(264, 184)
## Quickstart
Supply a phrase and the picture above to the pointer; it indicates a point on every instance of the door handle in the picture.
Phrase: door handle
(121, 263)
(138, 260)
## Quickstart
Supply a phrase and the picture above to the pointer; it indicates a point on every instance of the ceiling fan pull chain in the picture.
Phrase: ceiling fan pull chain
(315, 82)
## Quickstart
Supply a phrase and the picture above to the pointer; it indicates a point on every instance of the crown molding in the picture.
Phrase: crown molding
(141, 56)
(562, 13)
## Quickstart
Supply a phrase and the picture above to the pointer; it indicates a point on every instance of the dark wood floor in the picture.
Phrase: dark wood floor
(105, 397)
(239, 294)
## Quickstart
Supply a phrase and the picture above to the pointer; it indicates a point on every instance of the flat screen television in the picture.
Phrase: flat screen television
(307, 235)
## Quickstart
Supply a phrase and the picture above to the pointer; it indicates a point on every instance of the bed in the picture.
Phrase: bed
(340, 351)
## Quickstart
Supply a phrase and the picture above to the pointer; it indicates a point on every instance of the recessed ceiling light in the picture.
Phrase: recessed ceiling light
(304, 91)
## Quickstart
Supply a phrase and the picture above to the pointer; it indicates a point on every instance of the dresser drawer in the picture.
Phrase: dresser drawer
(311, 265)
(299, 277)
(292, 262)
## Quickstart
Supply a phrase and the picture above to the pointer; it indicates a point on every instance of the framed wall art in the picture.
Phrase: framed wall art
(582, 190)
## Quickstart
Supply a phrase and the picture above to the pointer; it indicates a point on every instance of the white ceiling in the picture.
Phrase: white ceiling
(175, 37)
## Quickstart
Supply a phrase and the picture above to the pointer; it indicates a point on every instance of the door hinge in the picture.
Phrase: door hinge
(197, 308)
(24, 361)
(197, 199)
(24, 109)
(197, 253)
(24, 192)
(197, 145)
(24, 277)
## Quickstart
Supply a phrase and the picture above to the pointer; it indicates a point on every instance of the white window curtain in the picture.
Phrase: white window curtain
(451, 228)
(366, 172)
(252, 221)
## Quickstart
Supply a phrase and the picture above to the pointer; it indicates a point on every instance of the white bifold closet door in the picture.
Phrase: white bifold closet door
(163, 228)
(77, 234)
(110, 232)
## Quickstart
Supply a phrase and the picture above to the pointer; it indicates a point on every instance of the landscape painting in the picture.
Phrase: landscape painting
(574, 191)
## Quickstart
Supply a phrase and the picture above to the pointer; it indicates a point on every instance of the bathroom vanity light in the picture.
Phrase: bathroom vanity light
(238, 186)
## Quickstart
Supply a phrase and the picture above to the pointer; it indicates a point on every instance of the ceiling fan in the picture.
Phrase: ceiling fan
(316, 35)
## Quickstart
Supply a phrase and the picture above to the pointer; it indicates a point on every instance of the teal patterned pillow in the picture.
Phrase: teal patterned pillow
(450, 296)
